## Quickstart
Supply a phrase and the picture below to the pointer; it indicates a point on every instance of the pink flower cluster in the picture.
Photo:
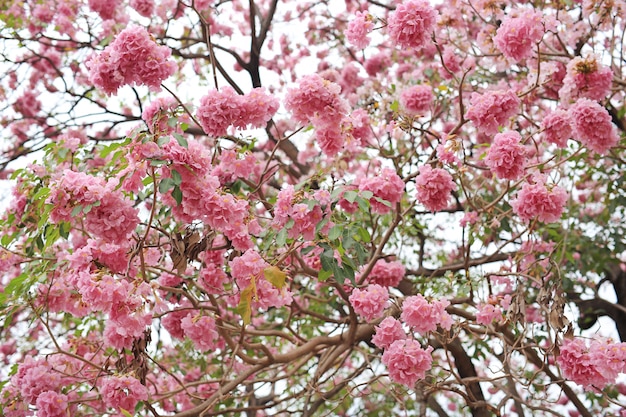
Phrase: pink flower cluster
(201, 330)
(517, 35)
(407, 361)
(434, 187)
(122, 392)
(248, 270)
(370, 302)
(288, 208)
(416, 100)
(388, 274)
(593, 126)
(557, 127)
(592, 366)
(387, 186)
(410, 25)
(388, 331)
(157, 113)
(423, 316)
(318, 101)
(492, 109)
(586, 78)
(540, 200)
(106, 213)
(359, 28)
(507, 156)
(132, 58)
(52, 404)
(488, 313)
(221, 109)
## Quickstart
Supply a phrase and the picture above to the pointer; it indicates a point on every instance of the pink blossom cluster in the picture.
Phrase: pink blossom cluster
(388, 331)
(319, 102)
(407, 361)
(370, 302)
(143, 7)
(34, 377)
(248, 271)
(105, 8)
(592, 125)
(156, 115)
(132, 58)
(52, 404)
(434, 187)
(507, 156)
(387, 186)
(104, 210)
(586, 78)
(291, 207)
(221, 109)
(359, 28)
(594, 365)
(202, 197)
(387, 274)
(201, 330)
(411, 24)
(492, 109)
(423, 316)
(518, 34)
(416, 100)
(122, 392)
(557, 127)
(539, 200)
(28, 104)
(488, 313)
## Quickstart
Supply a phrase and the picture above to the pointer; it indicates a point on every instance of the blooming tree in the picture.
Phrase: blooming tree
(332, 207)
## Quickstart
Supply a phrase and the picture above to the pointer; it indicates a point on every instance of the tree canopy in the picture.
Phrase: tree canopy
(359, 207)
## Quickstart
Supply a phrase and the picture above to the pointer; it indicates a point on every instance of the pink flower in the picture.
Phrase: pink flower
(105, 8)
(586, 78)
(593, 126)
(416, 100)
(579, 363)
(517, 35)
(35, 376)
(407, 362)
(538, 200)
(388, 274)
(507, 156)
(157, 113)
(316, 99)
(387, 186)
(492, 109)
(557, 127)
(201, 330)
(434, 187)
(423, 316)
(52, 404)
(143, 7)
(487, 313)
(411, 24)
(122, 392)
(132, 58)
(358, 28)
(388, 331)
(370, 302)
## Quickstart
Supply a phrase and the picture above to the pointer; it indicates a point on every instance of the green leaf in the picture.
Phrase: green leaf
(244, 308)
(275, 276)
(350, 196)
(180, 139)
(323, 275)
(166, 184)
(335, 232)
(176, 177)
(76, 210)
(177, 194)
(367, 194)
(281, 237)
(163, 140)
